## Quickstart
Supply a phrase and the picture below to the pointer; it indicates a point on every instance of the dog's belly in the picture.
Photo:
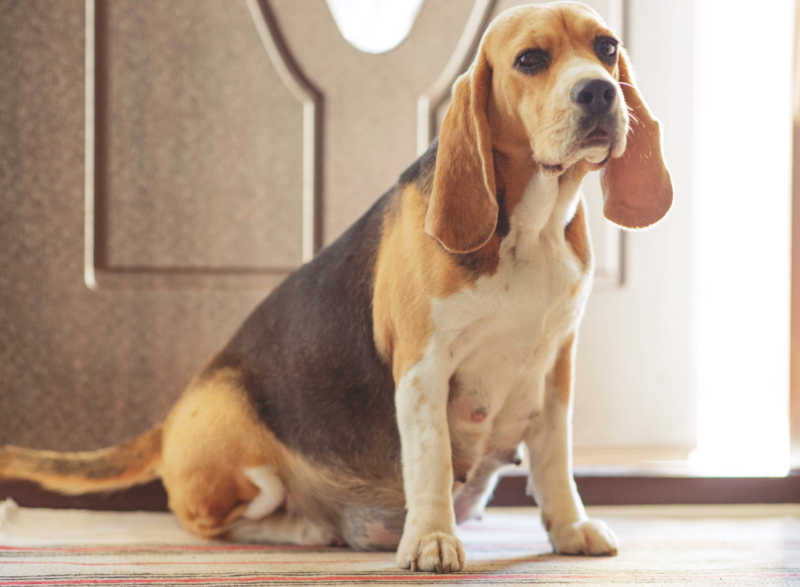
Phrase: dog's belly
(493, 398)
(492, 401)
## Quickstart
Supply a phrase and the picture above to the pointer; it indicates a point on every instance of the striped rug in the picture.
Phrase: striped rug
(737, 545)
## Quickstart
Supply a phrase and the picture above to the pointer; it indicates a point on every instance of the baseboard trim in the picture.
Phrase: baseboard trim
(663, 490)
(594, 489)
(148, 497)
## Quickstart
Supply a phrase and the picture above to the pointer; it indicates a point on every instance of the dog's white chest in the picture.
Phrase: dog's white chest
(504, 331)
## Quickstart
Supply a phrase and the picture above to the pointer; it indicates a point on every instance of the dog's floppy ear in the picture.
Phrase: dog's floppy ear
(637, 186)
(462, 212)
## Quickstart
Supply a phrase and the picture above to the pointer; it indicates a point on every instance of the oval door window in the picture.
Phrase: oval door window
(374, 26)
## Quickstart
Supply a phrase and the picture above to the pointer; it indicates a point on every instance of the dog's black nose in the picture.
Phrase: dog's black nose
(595, 96)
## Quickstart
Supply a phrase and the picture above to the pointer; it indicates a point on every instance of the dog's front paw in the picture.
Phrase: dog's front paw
(437, 551)
(585, 537)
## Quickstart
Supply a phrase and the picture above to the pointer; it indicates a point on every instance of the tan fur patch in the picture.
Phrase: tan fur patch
(106, 469)
(513, 176)
(577, 235)
(562, 371)
(210, 437)
(411, 269)
(462, 212)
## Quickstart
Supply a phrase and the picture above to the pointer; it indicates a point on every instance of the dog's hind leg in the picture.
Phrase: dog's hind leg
(219, 462)
(264, 520)
(208, 500)
(283, 527)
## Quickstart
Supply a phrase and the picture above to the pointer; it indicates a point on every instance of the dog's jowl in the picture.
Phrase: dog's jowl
(370, 399)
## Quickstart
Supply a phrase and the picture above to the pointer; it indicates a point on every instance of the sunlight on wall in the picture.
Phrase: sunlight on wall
(741, 212)
(374, 26)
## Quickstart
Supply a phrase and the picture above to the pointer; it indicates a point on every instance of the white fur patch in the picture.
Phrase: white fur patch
(421, 400)
(282, 528)
(503, 332)
(272, 492)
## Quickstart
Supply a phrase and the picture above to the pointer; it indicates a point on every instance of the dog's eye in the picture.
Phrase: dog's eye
(532, 61)
(606, 49)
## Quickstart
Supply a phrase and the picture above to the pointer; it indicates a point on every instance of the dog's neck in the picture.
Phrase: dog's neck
(539, 203)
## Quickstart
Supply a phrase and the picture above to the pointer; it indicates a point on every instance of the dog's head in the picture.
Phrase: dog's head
(550, 82)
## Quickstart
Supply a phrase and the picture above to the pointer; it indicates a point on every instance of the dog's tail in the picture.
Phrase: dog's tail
(107, 469)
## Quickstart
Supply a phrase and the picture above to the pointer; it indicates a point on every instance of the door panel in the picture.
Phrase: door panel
(194, 168)
(79, 368)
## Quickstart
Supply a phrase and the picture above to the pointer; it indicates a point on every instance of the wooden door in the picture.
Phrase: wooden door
(164, 164)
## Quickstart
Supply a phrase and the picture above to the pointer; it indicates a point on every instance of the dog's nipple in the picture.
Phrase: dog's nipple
(478, 415)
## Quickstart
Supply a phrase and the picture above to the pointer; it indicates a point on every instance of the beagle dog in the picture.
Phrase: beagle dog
(371, 398)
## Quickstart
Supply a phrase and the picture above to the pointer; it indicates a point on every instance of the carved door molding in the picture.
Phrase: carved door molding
(100, 271)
